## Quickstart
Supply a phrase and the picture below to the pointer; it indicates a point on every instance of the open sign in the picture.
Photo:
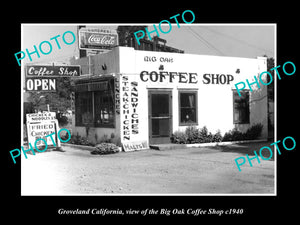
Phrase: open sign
(40, 84)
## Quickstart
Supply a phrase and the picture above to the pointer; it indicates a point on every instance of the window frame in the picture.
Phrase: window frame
(78, 107)
(185, 91)
(92, 97)
(105, 93)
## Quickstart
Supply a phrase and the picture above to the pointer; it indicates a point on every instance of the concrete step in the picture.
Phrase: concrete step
(168, 146)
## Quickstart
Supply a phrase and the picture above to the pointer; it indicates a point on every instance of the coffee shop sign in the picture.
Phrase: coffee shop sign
(48, 70)
(185, 77)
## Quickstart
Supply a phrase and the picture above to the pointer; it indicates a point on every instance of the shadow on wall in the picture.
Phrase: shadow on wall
(258, 105)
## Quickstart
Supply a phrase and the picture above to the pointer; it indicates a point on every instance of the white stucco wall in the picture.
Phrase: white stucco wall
(215, 101)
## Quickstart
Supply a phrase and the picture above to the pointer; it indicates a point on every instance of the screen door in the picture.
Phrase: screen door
(160, 116)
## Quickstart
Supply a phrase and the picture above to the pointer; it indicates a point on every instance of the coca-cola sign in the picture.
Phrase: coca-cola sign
(97, 40)
(102, 39)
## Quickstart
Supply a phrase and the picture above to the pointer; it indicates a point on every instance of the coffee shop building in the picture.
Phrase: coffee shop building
(142, 97)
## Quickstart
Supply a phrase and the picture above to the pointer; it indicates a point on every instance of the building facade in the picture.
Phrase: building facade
(142, 97)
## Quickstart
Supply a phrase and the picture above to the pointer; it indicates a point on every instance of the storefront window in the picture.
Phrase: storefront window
(241, 113)
(104, 108)
(84, 108)
(94, 104)
(187, 108)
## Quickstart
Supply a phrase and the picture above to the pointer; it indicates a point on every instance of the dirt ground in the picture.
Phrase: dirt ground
(206, 170)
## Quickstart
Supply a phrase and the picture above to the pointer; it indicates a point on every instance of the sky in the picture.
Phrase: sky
(236, 40)
(230, 40)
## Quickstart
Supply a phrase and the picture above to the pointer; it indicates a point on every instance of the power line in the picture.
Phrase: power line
(199, 39)
(205, 42)
(238, 40)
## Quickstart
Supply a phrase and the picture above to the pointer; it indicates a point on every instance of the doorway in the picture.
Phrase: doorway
(160, 116)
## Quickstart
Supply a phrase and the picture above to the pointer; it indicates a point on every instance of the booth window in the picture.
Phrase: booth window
(104, 109)
(187, 108)
(83, 108)
(241, 112)
(94, 104)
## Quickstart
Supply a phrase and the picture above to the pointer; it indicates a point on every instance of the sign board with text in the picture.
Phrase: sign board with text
(41, 84)
(40, 125)
(134, 146)
(40, 117)
(51, 71)
(97, 39)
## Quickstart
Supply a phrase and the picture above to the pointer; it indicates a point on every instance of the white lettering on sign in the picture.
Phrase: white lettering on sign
(52, 71)
(65, 71)
(43, 71)
(40, 84)
(99, 39)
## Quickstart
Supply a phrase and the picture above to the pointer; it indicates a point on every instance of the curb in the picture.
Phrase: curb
(171, 146)
(197, 145)
(223, 143)
(82, 147)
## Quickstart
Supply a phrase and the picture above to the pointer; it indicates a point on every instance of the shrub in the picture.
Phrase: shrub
(252, 133)
(233, 135)
(105, 139)
(113, 139)
(217, 137)
(203, 135)
(105, 148)
(63, 121)
(237, 135)
(78, 140)
(227, 136)
(191, 134)
(179, 137)
(194, 135)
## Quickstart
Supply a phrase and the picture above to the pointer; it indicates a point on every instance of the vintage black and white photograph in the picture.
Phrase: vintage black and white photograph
(179, 109)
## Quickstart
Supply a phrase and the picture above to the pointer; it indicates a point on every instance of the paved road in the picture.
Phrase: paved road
(180, 171)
